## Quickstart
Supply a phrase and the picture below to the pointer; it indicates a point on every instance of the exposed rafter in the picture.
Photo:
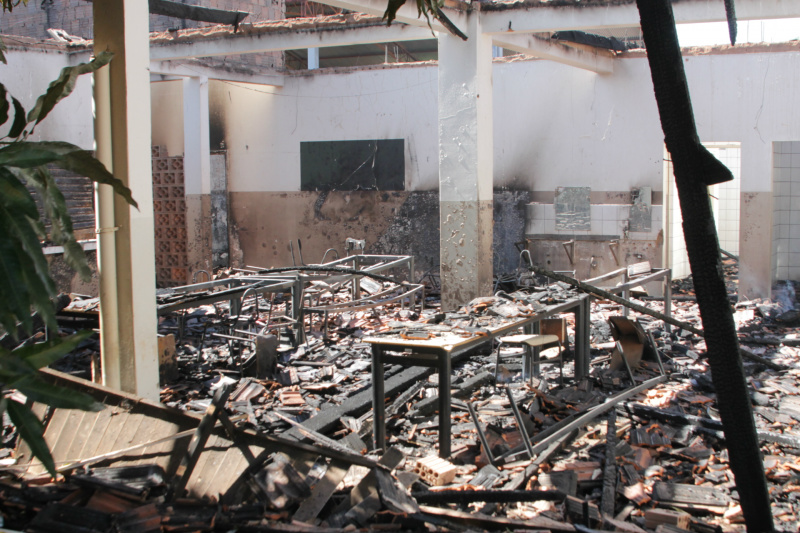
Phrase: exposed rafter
(170, 70)
(253, 41)
(549, 17)
(596, 60)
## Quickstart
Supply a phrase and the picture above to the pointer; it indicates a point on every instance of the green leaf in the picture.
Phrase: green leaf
(27, 230)
(55, 207)
(13, 368)
(32, 432)
(4, 106)
(16, 303)
(26, 275)
(36, 389)
(15, 196)
(3, 46)
(63, 86)
(84, 163)
(391, 10)
(24, 154)
(19, 120)
(47, 353)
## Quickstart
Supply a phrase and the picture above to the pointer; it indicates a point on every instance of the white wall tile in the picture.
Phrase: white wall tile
(534, 227)
(610, 227)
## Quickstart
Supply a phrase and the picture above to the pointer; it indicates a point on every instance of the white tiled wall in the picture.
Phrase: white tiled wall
(607, 219)
(724, 203)
(786, 210)
(678, 258)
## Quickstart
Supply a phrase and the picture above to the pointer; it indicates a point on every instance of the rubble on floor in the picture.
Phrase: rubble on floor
(526, 455)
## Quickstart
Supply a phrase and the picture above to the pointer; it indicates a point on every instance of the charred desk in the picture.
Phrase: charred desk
(440, 348)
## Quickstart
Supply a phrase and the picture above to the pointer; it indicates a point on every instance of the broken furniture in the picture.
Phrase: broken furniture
(299, 281)
(630, 342)
(634, 276)
(377, 296)
(553, 332)
(435, 348)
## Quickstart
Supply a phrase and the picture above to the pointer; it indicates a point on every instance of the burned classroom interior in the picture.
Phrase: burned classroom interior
(497, 266)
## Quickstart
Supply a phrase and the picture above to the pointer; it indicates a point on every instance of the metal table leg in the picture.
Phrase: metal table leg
(444, 404)
(582, 332)
(378, 407)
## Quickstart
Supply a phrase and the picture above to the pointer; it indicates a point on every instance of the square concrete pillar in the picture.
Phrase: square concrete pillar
(126, 250)
(465, 164)
(197, 174)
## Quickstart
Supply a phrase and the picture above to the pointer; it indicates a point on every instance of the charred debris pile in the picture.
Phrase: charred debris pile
(621, 450)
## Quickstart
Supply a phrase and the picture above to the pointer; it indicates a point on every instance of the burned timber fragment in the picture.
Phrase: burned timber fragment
(695, 169)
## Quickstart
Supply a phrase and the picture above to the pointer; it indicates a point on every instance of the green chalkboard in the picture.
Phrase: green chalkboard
(352, 165)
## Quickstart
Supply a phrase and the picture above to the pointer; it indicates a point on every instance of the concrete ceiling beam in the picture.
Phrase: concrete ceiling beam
(288, 40)
(548, 18)
(584, 57)
(166, 70)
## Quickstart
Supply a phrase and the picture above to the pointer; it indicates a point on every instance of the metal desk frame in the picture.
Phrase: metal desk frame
(628, 282)
(439, 353)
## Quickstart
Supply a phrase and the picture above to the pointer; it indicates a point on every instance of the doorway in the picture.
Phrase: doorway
(725, 204)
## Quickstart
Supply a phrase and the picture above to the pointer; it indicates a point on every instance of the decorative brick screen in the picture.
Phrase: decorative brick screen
(169, 204)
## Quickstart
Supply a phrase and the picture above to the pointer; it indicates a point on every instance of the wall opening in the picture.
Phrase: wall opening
(786, 211)
(725, 204)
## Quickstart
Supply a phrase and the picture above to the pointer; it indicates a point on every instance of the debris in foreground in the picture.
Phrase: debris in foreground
(291, 449)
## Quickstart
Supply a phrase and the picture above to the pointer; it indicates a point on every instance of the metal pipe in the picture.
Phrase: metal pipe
(244, 295)
(523, 431)
(194, 276)
(326, 254)
(105, 228)
(481, 434)
(300, 252)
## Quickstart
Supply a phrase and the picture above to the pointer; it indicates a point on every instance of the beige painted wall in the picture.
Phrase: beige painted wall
(264, 223)
(27, 75)
(166, 114)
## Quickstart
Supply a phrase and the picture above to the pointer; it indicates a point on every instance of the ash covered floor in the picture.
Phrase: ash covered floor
(656, 461)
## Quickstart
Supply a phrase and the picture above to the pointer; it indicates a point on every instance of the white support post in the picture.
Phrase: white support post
(196, 147)
(313, 58)
(465, 164)
(197, 173)
(128, 317)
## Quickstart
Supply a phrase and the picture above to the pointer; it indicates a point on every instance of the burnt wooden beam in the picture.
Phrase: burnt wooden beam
(198, 442)
(695, 168)
(608, 500)
(464, 497)
(358, 404)
(198, 13)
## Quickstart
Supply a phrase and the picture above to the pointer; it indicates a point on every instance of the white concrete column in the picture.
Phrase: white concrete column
(465, 164)
(196, 147)
(197, 173)
(128, 319)
(313, 58)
